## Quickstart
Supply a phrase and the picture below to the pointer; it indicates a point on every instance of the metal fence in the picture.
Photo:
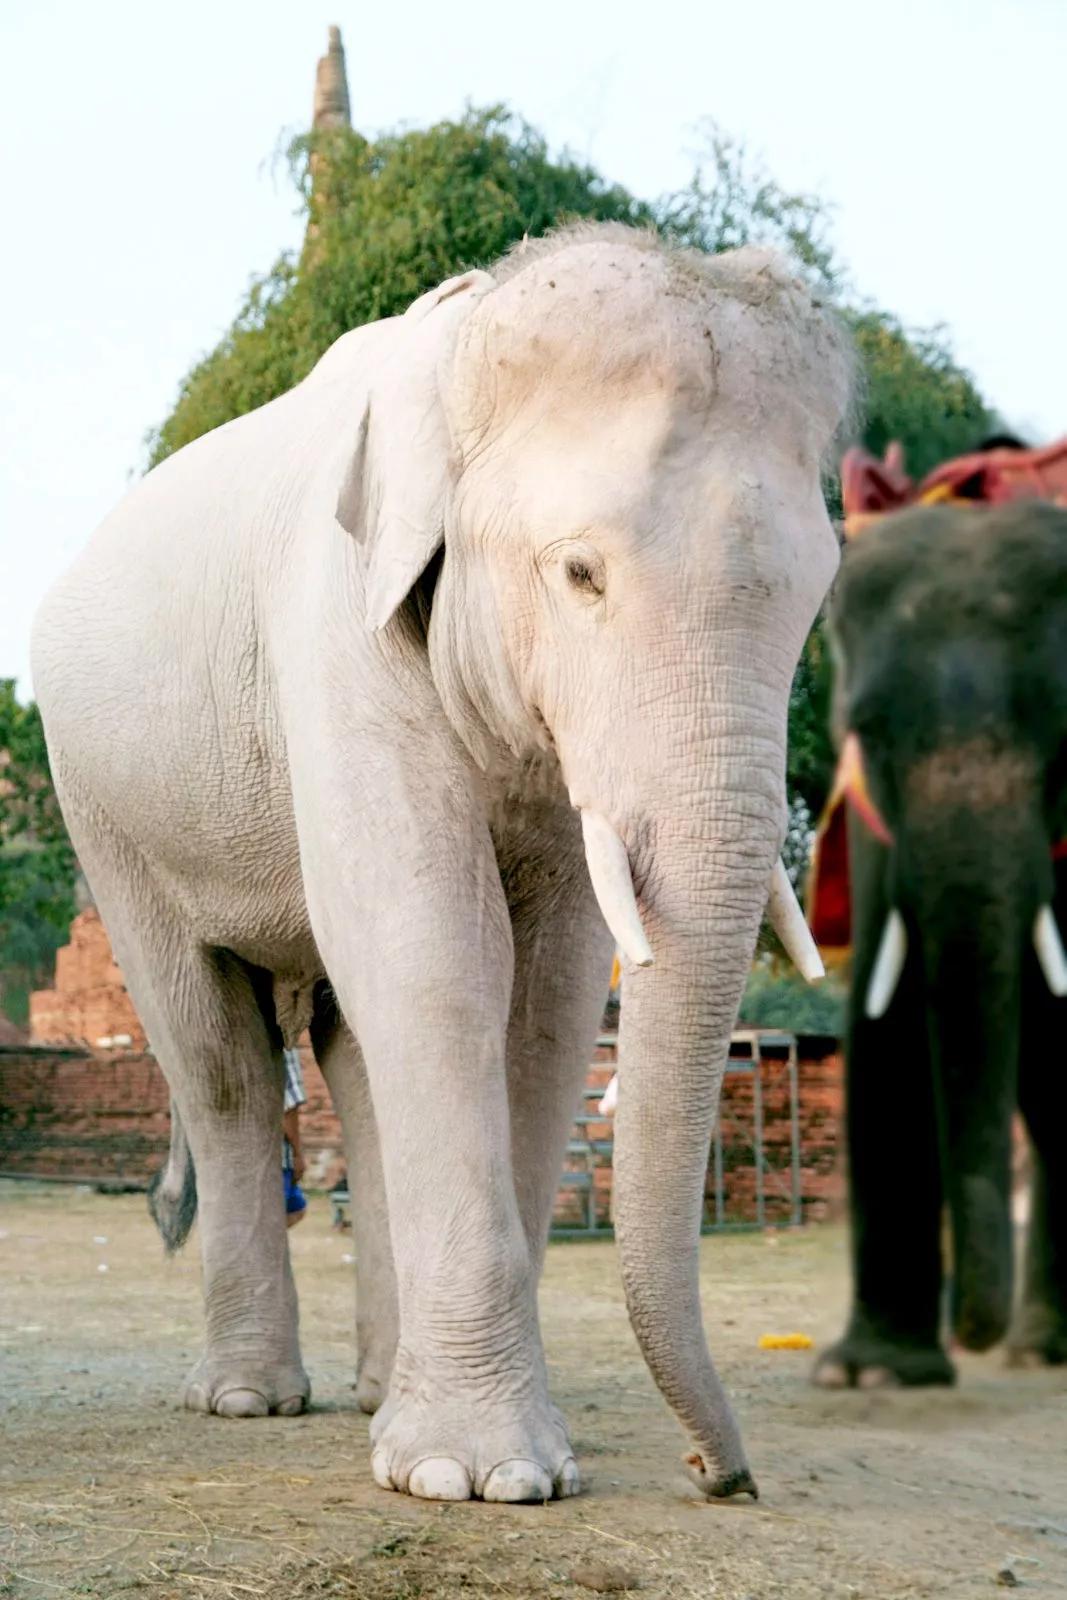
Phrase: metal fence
(738, 1144)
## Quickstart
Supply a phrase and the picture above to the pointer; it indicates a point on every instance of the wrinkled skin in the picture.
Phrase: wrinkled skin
(951, 626)
(322, 698)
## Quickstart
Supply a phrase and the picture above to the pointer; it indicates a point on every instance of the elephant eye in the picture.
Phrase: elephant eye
(582, 576)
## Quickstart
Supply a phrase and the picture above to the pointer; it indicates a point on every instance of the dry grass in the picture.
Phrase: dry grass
(108, 1489)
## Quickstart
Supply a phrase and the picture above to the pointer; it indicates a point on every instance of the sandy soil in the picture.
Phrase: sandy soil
(108, 1488)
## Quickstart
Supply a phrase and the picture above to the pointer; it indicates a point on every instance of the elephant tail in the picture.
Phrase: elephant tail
(172, 1192)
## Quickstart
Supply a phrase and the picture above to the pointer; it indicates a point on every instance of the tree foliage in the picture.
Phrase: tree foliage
(732, 200)
(776, 996)
(914, 391)
(387, 220)
(37, 865)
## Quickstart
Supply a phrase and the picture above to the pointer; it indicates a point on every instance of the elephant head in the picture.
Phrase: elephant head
(624, 528)
(949, 625)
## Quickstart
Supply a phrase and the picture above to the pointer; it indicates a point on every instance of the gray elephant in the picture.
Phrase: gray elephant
(343, 701)
(951, 631)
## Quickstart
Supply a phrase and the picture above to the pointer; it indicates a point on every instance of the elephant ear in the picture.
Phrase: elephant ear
(393, 495)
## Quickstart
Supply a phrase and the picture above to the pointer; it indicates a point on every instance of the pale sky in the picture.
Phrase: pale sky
(139, 192)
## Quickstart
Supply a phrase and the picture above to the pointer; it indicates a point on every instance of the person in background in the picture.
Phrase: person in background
(292, 1149)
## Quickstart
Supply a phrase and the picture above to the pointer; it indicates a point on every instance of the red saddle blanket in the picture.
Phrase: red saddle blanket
(870, 488)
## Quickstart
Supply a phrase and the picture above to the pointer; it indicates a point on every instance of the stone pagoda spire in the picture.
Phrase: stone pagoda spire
(331, 107)
(331, 110)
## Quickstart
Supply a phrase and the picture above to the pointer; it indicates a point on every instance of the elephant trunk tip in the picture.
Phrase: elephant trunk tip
(984, 1279)
(980, 1327)
(723, 1486)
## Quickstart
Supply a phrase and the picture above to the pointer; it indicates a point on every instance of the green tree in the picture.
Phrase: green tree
(37, 864)
(777, 997)
(387, 220)
(914, 391)
(732, 200)
(811, 754)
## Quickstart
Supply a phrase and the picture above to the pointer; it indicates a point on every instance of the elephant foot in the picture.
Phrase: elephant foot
(867, 1362)
(370, 1389)
(1039, 1339)
(453, 1450)
(376, 1341)
(247, 1389)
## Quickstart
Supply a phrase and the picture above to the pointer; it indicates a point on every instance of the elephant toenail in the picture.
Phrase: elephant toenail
(241, 1403)
(292, 1407)
(877, 1378)
(830, 1375)
(379, 1467)
(439, 1478)
(569, 1479)
(518, 1481)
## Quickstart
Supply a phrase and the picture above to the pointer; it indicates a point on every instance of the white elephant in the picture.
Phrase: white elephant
(340, 700)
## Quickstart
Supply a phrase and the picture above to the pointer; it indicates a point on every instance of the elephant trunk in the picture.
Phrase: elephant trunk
(974, 1023)
(980, 877)
(702, 894)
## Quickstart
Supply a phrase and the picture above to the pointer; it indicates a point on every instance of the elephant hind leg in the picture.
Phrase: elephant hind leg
(1039, 1334)
(217, 1045)
(341, 1063)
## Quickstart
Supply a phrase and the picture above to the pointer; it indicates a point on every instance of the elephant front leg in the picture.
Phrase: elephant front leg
(426, 983)
(1039, 1333)
(467, 1410)
(893, 1333)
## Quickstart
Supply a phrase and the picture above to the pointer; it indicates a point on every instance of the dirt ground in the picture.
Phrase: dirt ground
(108, 1488)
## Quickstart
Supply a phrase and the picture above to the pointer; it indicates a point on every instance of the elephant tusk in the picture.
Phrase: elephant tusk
(1050, 952)
(790, 924)
(888, 965)
(606, 1105)
(609, 872)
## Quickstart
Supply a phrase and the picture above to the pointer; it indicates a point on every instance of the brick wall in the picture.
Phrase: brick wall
(103, 1116)
(79, 1104)
(820, 1106)
(81, 1115)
